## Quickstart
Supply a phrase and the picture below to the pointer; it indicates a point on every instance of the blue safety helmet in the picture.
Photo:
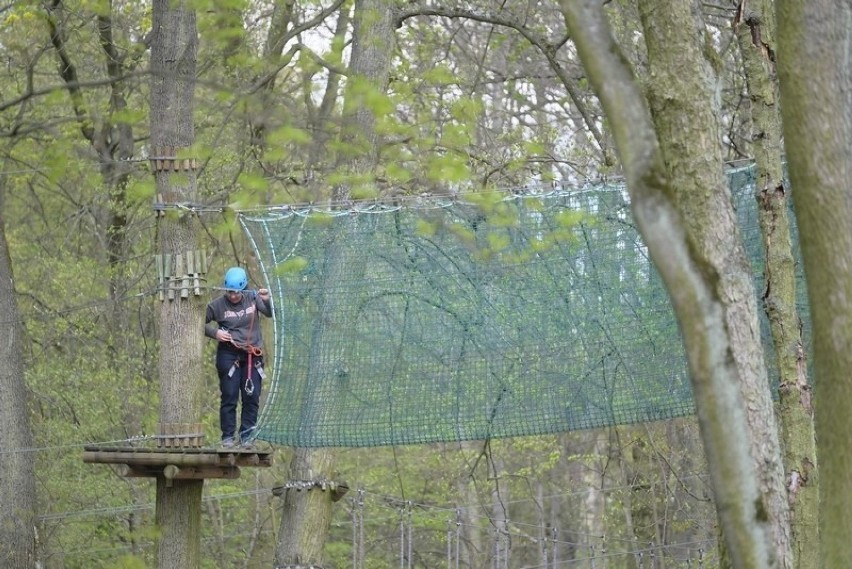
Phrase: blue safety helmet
(236, 279)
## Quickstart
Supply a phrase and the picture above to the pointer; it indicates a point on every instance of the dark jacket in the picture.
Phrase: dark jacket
(241, 319)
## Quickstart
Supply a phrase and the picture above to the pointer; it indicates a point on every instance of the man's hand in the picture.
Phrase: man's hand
(223, 335)
(263, 293)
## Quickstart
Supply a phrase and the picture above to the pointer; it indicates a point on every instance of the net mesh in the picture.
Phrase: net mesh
(494, 316)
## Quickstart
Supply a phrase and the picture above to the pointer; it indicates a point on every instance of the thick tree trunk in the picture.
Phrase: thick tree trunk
(306, 515)
(173, 64)
(688, 130)
(755, 30)
(814, 50)
(692, 277)
(17, 471)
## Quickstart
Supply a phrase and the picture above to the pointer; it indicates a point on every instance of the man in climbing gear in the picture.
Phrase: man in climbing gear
(233, 320)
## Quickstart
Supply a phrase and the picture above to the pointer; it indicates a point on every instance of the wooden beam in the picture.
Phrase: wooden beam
(175, 473)
(151, 459)
(183, 458)
(200, 472)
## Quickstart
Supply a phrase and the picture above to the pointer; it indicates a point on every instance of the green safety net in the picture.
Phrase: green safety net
(490, 315)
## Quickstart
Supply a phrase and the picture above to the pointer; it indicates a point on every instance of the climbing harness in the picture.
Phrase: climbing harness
(252, 351)
(249, 349)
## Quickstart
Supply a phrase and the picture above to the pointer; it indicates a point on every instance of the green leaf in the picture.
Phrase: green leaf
(447, 168)
(251, 181)
(294, 264)
(440, 75)
(425, 228)
(287, 135)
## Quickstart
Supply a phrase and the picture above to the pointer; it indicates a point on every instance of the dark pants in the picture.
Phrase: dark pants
(232, 366)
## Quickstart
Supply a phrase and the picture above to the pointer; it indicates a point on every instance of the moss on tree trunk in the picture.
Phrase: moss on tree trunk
(755, 31)
(814, 49)
(173, 54)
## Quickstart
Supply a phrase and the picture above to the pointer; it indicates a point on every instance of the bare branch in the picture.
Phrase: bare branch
(67, 70)
(547, 48)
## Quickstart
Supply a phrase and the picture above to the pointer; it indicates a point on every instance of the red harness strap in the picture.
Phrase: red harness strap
(253, 351)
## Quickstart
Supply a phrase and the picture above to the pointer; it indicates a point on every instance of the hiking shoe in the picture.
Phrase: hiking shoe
(228, 443)
(247, 445)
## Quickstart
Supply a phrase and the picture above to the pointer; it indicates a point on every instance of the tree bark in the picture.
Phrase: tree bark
(691, 276)
(814, 50)
(501, 553)
(754, 25)
(306, 515)
(173, 62)
(17, 469)
(687, 127)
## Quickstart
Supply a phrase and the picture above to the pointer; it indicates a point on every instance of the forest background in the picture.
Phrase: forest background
(477, 96)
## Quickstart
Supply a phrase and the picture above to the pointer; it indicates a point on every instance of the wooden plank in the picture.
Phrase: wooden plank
(201, 472)
(177, 458)
(180, 275)
(167, 268)
(151, 459)
(260, 451)
(161, 283)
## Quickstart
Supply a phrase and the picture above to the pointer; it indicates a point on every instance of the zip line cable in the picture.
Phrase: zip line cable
(535, 188)
(304, 210)
(77, 445)
(401, 514)
(453, 554)
(361, 503)
(99, 303)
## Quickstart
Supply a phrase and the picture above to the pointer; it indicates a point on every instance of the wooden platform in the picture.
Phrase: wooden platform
(179, 463)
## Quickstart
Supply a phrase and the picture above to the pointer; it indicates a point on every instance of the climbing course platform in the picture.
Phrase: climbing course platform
(179, 457)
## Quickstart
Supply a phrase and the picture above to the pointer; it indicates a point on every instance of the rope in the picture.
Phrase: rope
(252, 351)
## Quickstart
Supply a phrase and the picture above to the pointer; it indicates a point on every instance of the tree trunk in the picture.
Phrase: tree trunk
(173, 54)
(814, 49)
(472, 551)
(306, 515)
(593, 513)
(500, 499)
(685, 118)
(638, 504)
(692, 278)
(755, 30)
(17, 470)
(322, 114)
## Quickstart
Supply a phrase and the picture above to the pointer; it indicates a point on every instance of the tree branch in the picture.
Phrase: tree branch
(67, 70)
(688, 279)
(548, 49)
